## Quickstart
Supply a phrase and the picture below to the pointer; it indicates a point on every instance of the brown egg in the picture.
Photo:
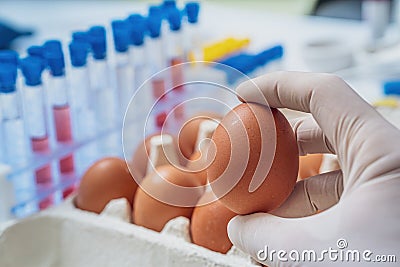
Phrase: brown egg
(106, 179)
(198, 160)
(309, 165)
(140, 158)
(255, 159)
(164, 194)
(209, 224)
(197, 164)
(187, 136)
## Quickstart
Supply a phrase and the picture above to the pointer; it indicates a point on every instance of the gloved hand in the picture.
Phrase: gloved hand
(366, 218)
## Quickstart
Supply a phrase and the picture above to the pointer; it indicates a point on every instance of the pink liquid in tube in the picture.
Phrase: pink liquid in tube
(177, 85)
(43, 175)
(62, 120)
(177, 74)
(158, 86)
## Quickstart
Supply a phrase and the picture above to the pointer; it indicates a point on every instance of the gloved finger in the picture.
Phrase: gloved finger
(253, 233)
(310, 138)
(316, 193)
(351, 125)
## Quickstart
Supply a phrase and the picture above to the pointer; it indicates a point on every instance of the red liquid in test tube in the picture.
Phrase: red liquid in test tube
(62, 120)
(177, 85)
(158, 86)
(177, 74)
(43, 175)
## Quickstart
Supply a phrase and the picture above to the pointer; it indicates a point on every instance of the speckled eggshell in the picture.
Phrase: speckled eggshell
(209, 225)
(238, 150)
(107, 179)
(187, 136)
(197, 163)
(156, 199)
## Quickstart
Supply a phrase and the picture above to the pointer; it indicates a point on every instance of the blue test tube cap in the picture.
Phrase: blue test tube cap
(174, 19)
(121, 39)
(192, 11)
(154, 26)
(138, 26)
(391, 88)
(137, 35)
(98, 47)
(32, 69)
(135, 18)
(121, 35)
(81, 36)
(119, 24)
(35, 50)
(78, 52)
(97, 31)
(54, 46)
(55, 62)
(9, 57)
(8, 77)
(169, 4)
(155, 11)
(98, 42)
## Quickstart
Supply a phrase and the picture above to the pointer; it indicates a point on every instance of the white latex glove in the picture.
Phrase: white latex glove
(367, 216)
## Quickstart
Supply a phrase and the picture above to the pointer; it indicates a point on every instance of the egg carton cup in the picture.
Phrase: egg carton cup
(67, 236)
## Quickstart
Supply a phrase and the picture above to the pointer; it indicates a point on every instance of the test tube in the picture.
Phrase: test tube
(101, 90)
(124, 71)
(7, 195)
(83, 115)
(192, 42)
(158, 64)
(175, 58)
(60, 108)
(137, 51)
(79, 87)
(6, 57)
(15, 147)
(35, 118)
(377, 15)
(13, 130)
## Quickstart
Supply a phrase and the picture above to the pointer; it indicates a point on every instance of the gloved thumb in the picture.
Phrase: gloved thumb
(253, 233)
(261, 234)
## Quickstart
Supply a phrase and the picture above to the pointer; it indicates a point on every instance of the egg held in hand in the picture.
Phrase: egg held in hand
(209, 224)
(105, 180)
(254, 159)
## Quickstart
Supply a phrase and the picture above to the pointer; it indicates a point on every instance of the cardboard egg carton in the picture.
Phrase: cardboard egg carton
(67, 236)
